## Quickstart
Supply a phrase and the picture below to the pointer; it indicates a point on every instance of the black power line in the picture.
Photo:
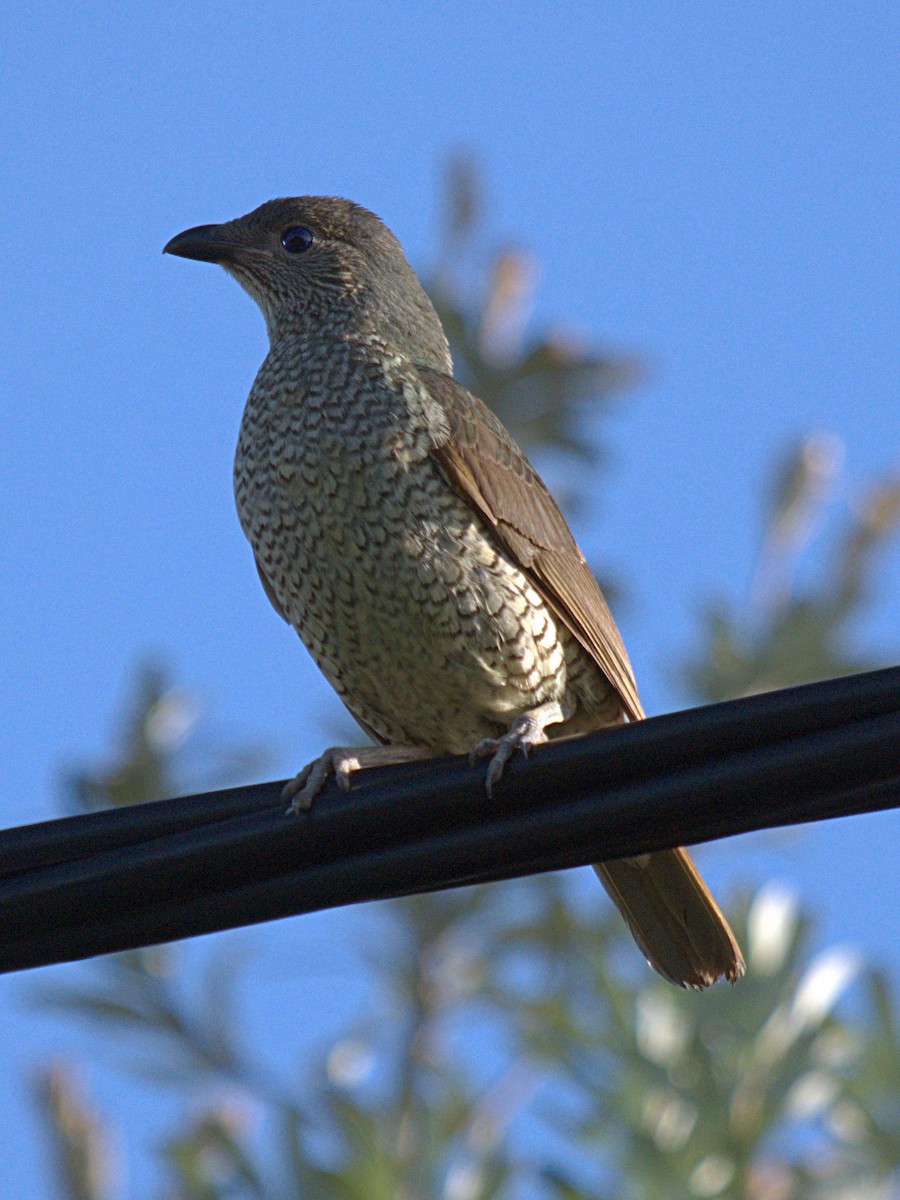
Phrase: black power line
(117, 879)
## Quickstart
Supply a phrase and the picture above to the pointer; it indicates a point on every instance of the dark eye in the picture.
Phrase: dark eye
(296, 239)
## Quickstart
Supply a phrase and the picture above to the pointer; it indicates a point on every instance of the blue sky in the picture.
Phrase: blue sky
(712, 188)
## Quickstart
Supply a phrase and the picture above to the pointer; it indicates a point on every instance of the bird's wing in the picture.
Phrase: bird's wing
(481, 461)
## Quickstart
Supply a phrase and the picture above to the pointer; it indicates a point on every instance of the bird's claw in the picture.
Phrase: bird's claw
(341, 762)
(302, 790)
(524, 734)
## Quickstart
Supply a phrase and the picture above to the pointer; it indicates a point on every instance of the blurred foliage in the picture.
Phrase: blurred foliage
(160, 752)
(725, 1093)
(513, 1044)
(540, 386)
(80, 1145)
(792, 632)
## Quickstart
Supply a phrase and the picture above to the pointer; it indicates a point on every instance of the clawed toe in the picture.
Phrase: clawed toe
(526, 732)
(341, 762)
(506, 748)
(298, 793)
(302, 790)
(500, 751)
(483, 749)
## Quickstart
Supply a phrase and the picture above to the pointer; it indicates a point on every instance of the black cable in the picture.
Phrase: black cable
(129, 877)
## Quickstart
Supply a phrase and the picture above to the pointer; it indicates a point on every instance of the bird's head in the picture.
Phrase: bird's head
(322, 264)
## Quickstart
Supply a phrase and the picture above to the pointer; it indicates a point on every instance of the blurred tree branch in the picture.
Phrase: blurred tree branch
(793, 632)
(81, 1148)
(539, 386)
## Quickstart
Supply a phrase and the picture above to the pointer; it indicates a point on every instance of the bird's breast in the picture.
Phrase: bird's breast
(425, 627)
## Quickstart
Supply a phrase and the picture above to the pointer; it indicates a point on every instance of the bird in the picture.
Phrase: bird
(400, 530)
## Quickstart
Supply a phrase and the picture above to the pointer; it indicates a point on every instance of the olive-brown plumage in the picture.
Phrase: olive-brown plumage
(402, 533)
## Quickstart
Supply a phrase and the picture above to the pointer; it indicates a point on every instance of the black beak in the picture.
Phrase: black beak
(206, 243)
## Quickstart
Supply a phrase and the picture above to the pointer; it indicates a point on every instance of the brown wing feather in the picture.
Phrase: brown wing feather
(483, 462)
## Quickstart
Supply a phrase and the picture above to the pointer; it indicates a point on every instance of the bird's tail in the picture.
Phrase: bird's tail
(673, 917)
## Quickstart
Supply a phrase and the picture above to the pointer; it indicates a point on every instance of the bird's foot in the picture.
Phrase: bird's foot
(341, 762)
(526, 732)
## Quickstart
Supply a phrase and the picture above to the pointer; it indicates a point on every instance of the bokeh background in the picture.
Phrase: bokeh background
(703, 199)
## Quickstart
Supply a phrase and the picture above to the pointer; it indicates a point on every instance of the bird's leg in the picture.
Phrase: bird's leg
(526, 732)
(341, 762)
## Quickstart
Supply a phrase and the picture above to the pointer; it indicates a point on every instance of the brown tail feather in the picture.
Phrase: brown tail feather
(673, 917)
